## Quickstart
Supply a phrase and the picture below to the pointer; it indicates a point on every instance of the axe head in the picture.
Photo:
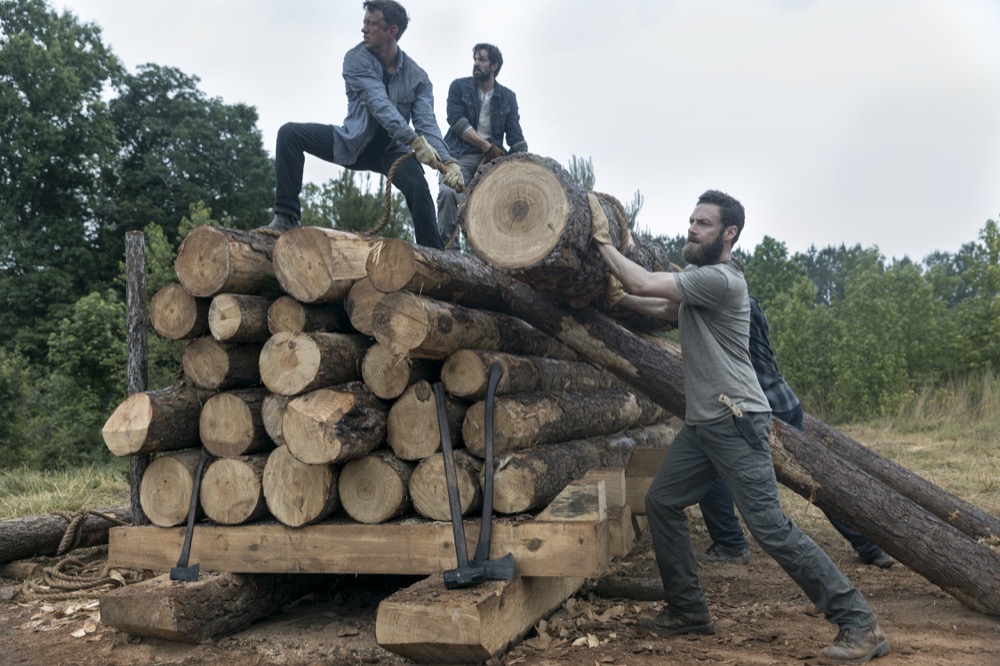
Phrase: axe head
(188, 573)
(467, 576)
(500, 569)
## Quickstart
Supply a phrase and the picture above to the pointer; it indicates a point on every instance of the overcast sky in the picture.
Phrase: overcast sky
(834, 121)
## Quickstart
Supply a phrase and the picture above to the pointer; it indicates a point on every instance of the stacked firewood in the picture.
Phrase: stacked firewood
(311, 385)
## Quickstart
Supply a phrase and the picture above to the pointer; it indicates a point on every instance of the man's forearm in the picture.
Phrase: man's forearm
(472, 137)
(638, 280)
(658, 308)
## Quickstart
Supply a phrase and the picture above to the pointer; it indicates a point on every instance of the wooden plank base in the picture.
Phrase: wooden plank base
(427, 623)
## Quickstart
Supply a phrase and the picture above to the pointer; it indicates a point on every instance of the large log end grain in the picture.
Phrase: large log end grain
(167, 484)
(287, 315)
(412, 425)
(177, 315)
(231, 423)
(213, 259)
(298, 493)
(239, 318)
(232, 490)
(375, 488)
(334, 424)
(161, 420)
(318, 265)
(211, 365)
(294, 363)
(429, 487)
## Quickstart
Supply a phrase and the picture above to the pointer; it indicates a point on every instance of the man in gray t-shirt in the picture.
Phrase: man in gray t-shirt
(726, 433)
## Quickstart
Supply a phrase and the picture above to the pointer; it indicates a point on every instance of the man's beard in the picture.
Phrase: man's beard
(479, 75)
(703, 255)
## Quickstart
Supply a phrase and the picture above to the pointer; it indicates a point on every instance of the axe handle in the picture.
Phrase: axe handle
(486, 525)
(454, 500)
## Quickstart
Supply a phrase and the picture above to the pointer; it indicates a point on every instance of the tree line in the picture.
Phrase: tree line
(90, 151)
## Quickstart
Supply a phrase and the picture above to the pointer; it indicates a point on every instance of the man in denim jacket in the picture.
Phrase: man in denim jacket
(481, 112)
(386, 90)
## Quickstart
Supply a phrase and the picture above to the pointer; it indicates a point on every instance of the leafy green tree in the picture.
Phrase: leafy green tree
(352, 203)
(770, 271)
(56, 136)
(978, 315)
(581, 171)
(14, 382)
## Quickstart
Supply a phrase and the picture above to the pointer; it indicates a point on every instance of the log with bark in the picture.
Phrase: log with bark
(272, 409)
(167, 484)
(31, 536)
(231, 423)
(232, 490)
(465, 374)
(318, 265)
(375, 488)
(287, 315)
(359, 304)
(239, 318)
(429, 489)
(213, 365)
(526, 420)
(388, 375)
(296, 363)
(177, 315)
(298, 493)
(212, 260)
(334, 424)
(412, 427)
(161, 420)
(528, 480)
(408, 324)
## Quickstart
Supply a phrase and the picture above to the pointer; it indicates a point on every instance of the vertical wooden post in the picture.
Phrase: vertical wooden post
(136, 332)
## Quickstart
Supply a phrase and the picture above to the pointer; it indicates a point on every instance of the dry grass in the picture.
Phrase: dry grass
(25, 492)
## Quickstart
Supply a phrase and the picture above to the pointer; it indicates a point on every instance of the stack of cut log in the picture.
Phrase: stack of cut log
(310, 383)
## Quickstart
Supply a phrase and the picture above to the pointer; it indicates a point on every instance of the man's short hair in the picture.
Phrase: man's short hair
(496, 58)
(731, 210)
(393, 13)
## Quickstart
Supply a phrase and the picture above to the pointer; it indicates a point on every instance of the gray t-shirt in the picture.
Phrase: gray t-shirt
(714, 323)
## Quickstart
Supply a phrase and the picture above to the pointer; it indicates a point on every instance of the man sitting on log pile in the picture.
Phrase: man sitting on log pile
(481, 112)
(386, 89)
(726, 433)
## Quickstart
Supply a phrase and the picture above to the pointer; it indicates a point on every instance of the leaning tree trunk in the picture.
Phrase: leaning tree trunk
(31, 536)
(212, 260)
(523, 213)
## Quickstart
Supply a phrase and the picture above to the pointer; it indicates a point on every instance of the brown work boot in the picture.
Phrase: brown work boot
(281, 223)
(669, 623)
(856, 645)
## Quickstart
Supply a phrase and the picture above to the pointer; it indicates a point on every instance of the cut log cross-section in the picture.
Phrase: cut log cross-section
(177, 315)
(298, 493)
(167, 484)
(412, 426)
(334, 424)
(214, 260)
(287, 315)
(239, 318)
(213, 365)
(318, 265)
(359, 304)
(232, 491)
(375, 488)
(231, 424)
(388, 375)
(161, 420)
(272, 409)
(295, 363)
(429, 489)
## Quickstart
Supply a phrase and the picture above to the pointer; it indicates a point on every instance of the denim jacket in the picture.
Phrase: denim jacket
(408, 97)
(463, 108)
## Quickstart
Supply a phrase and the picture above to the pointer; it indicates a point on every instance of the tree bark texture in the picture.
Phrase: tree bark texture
(317, 265)
(177, 315)
(388, 375)
(232, 490)
(287, 315)
(408, 324)
(137, 342)
(298, 493)
(525, 420)
(31, 536)
(212, 260)
(412, 426)
(334, 424)
(376, 488)
(166, 488)
(213, 365)
(429, 486)
(162, 420)
(239, 318)
(296, 363)
(231, 424)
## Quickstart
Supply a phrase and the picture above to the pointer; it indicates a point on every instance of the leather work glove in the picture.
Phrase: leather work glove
(452, 177)
(615, 291)
(425, 152)
(599, 231)
(494, 152)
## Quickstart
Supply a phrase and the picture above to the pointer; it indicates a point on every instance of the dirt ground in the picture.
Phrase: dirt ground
(761, 618)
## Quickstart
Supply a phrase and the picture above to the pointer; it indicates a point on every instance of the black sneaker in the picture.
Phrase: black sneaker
(282, 222)
(856, 645)
(668, 623)
(725, 555)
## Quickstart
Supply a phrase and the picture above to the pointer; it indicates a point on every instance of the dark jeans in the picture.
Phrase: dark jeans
(297, 139)
(724, 527)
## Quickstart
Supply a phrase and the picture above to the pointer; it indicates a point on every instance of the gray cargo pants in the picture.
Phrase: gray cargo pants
(695, 456)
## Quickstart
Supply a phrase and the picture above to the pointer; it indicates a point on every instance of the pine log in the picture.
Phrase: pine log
(412, 425)
(388, 375)
(524, 213)
(297, 493)
(334, 424)
(215, 605)
(295, 363)
(177, 315)
(429, 487)
(376, 488)
(360, 303)
(271, 410)
(232, 489)
(528, 480)
(162, 420)
(165, 493)
(526, 420)
(318, 265)
(408, 324)
(31, 536)
(465, 374)
(212, 260)
(239, 318)
(231, 424)
(213, 365)
(287, 315)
